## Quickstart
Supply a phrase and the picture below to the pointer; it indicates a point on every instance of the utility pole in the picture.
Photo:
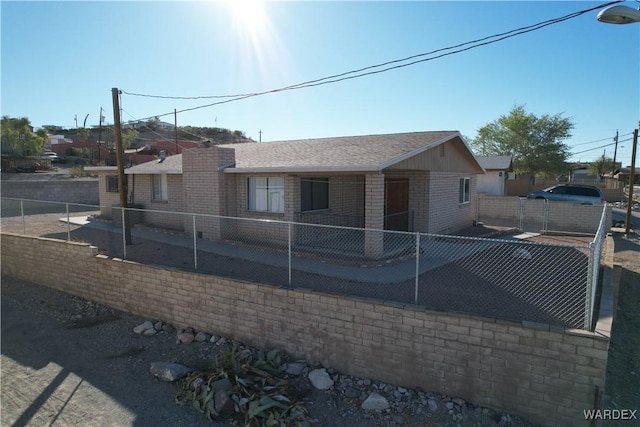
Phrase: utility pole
(260, 136)
(175, 127)
(122, 184)
(615, 152)
(632, 179)
(99, 133)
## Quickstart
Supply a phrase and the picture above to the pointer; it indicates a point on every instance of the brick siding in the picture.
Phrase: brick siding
(545, 374)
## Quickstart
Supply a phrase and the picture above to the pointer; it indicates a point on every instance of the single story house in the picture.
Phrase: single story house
(497, 168)
(420, 181)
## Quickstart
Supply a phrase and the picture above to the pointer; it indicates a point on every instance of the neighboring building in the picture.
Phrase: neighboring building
(498, 169)
(423, 181)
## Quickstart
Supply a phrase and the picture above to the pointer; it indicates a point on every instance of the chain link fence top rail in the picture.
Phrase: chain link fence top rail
(509, 278)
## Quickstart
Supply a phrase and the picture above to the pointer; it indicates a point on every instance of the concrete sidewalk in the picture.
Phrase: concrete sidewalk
(432, 251)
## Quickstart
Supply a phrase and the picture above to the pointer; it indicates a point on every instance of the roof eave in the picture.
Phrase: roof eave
(306, 169)
(154, 172)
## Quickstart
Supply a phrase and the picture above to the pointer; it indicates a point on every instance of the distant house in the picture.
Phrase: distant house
(497, 170)
(422, 181)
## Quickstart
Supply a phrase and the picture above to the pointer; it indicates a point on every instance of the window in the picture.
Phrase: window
(266, 194)
(159, 187)
(112, 184)
(464, 194)
(314, 194)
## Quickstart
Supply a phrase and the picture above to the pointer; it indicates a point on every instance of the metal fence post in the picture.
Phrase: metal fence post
(68, 224)
(24, 225)
(587, 300)
(289, 250)
(124, 236)
(545, 217)
(521, 215)
(195, 244)
(417, 267)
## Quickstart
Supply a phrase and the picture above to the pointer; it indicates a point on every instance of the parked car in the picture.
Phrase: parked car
(583, 194)
(54, 157)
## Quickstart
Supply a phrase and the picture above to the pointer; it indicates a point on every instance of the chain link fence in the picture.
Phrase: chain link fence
(538, 215)
(502, 278)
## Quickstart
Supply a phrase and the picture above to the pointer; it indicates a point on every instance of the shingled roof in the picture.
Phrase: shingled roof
(170, 165)
(496, 162)
(338, 154)
(347, 153)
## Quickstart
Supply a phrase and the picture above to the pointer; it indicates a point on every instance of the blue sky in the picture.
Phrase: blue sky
(61, 59)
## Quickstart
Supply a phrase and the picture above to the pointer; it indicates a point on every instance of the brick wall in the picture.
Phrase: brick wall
(557, 216)
(156, 216)
(445, 213)
(548, 375)
(107, 198)
(80, 190)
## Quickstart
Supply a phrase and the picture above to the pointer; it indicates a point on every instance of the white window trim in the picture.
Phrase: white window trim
(161, 195)
(273, 189)
(461, 191)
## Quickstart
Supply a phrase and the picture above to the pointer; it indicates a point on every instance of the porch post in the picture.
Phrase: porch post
(374, 215)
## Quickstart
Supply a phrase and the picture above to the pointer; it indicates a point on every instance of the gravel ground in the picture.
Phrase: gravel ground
(68, 361)
(622, 390)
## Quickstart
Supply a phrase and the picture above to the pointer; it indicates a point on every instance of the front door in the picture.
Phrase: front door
(396, 206)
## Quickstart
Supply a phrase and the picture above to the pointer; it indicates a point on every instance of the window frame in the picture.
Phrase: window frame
(464, 191)
(272, 186)
(309, 206)
(163, 194)
(109, 184)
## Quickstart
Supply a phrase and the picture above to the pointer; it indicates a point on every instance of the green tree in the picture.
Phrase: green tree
(129, 136)
(18, 138)
(535, 143)
(601, 166)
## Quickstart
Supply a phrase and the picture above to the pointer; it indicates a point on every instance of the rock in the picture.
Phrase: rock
(143, 327)
(158, 325)
(221, 341)
(166, 371)
(375, 401)
(222, 403)
(149, 332)
(167, 328)
(433, 406)
(296, 368)
(398, 419)
(402, 390)
(214, 338)
(458, 401)
(185, 337)
(320, 379)
(201, 337)
(221, 400)
(449, 405)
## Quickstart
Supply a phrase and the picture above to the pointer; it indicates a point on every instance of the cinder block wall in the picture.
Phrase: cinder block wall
(561, 216)
(80, 190)
(545, 374)
(445, 213)
(156, 216)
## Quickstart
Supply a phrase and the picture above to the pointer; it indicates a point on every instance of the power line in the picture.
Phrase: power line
(602, 146)
(346, 75)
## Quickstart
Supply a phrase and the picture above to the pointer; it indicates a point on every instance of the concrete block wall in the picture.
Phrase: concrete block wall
(204, 187)
(548, 375)
(143, 195)
(79, 190)
(107, 198)
(445, 213)
(560, 216)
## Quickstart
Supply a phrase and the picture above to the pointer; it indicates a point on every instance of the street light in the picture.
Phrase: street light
(619, 15)
(624, 15)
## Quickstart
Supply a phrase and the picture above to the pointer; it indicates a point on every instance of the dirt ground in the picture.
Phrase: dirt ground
(622, 390)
